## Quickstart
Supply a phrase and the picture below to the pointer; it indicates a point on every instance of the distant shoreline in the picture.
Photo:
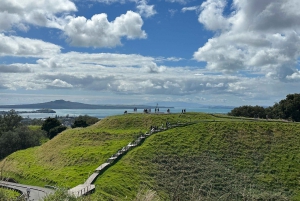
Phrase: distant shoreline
(32, 111)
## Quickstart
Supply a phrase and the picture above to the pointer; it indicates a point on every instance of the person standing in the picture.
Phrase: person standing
(28, 192)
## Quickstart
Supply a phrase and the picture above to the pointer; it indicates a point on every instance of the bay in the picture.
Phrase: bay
(102, 113)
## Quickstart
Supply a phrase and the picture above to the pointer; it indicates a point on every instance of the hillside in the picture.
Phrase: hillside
(215, 158)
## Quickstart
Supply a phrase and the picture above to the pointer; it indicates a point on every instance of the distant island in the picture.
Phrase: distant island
(32, 111)
(38, 111)
(62, 104)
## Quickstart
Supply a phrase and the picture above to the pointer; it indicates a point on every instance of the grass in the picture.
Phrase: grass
(7, 194)
(215, 158)
(211, 160)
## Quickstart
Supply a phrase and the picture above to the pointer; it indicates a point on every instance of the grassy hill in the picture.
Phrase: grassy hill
(214, 158)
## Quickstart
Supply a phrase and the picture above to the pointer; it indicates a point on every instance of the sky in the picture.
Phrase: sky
(211, 52)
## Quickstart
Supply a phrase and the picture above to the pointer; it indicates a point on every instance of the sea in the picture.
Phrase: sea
(102, 113)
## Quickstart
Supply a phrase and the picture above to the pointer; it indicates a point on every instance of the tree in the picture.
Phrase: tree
(288, 108)
(248, 111)
(56, 130)
(49, 124)
(18, 139)
(84, 121)
(9, 121)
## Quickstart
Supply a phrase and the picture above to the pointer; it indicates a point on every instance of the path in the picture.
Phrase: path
(36, 193)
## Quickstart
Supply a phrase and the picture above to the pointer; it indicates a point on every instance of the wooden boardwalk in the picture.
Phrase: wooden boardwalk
(82, 189)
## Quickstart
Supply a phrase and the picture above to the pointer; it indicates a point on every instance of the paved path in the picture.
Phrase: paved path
(36, 193)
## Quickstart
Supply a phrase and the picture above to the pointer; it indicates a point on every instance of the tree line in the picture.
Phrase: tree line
(15, 136)
(288, 109)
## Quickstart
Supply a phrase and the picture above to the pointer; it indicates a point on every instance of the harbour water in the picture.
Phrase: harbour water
(102, 113)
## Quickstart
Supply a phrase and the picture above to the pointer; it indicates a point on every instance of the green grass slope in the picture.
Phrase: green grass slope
(69, 158)
(213, 159)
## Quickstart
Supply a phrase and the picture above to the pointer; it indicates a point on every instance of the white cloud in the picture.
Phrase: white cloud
(294, 76)
(60, 84)
(153, 68)
(15, 13)
(26, 47)
(260, 36)
(94, 32)
(144, 9)
(212, 15)
(99, 32)
(192, 8)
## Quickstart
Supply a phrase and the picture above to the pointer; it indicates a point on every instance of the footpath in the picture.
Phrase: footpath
(36, 193)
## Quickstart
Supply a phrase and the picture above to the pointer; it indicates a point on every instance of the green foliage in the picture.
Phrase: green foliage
(9, 121)
(8, 195)
(50, 123)
(84, 121)
(288, 109)
(20, 138)
(56, 130)
(248, 111)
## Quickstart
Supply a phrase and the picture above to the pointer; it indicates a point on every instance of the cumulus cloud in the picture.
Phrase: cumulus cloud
(57, 83)
(212, 15)
(144, 9)
(94, 32)
(99, 32)
(26, 47)
(14, 13)
(261, 36)
(153, 68)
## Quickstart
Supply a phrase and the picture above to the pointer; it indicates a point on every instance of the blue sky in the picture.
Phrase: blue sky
(212, 52)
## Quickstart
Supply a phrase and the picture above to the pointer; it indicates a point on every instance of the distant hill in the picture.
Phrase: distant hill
(62, 104)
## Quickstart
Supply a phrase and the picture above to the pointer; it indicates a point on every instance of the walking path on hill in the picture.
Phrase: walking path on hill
(36, 193)
(88, 187)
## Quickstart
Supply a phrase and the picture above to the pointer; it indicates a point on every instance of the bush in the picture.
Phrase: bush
(84, 121)
(50, 123)
(20, 138)
(54, 131)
